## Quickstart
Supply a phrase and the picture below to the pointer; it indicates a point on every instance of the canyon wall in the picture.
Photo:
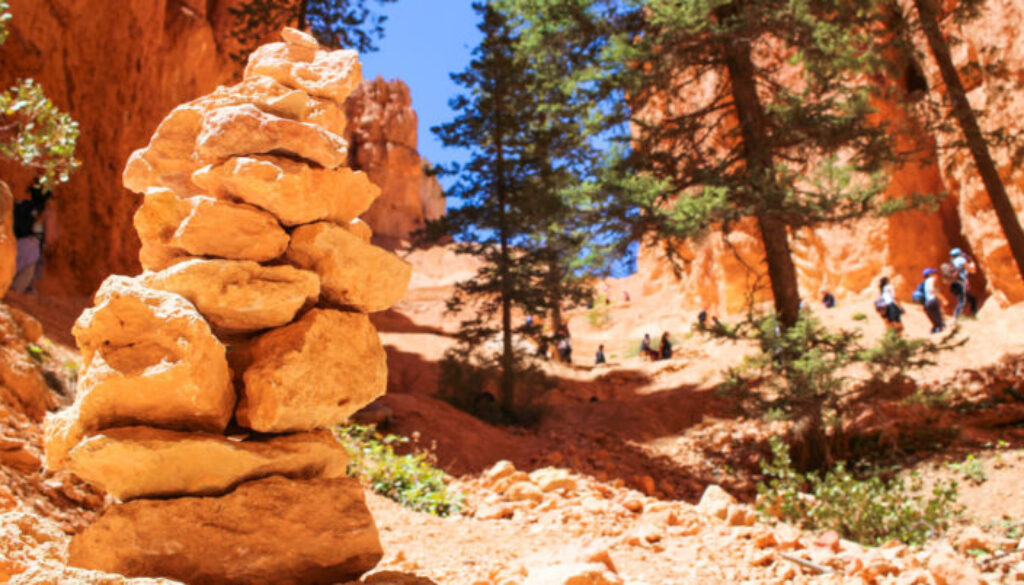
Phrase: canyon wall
(118, 68)
(721, 271)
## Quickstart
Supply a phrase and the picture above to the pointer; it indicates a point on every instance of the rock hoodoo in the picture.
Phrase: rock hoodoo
(209, 378)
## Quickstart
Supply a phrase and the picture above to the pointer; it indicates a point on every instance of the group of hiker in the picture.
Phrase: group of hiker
(956, 273)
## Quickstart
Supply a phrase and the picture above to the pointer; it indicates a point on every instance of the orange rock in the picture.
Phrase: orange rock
(172, 228)
(143, 462)
(322, 533)
(352, 273)
(313, 373)
(573, 574)
(149, 358)
(246, 130)
(8, 244)
(294, 192)
(239, 295)
(299, 62)
(382, 139)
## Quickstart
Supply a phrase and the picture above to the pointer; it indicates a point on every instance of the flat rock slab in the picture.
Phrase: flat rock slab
(353, 273)
(134, 462)
(312, 374)
(273, 531)
(169, 159)
(174, 228)
(239, 295)
(294, 192)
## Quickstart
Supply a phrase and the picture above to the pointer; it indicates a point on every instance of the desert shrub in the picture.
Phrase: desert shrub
(971, 469)
(410, 479)
(803, 372)
(859, 316)
(600, 315)
(869, 508)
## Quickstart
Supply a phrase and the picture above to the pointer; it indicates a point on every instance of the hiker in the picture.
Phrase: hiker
(564, 346)
(599, 359)
(886, 305)
(666, 347)
(925, 294)
(963, 267)
(646, 350)
(702, 319)
(28, 230)
(828, 299)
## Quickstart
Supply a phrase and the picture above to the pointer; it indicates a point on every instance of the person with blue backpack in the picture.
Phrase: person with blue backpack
(925, 295)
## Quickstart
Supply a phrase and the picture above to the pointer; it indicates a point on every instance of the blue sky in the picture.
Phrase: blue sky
(424, 41)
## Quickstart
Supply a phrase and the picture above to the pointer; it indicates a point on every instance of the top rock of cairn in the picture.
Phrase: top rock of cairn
(246, 334)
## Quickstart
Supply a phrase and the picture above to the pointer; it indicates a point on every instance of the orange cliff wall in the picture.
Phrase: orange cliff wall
(848, 259)
(118, 67)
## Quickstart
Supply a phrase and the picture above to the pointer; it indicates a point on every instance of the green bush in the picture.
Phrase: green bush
(600, 315)
(410, 480)
(972, 470)
(859, 316)
(868, 508)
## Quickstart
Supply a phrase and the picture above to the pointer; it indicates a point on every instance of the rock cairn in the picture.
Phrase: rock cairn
(209, 380)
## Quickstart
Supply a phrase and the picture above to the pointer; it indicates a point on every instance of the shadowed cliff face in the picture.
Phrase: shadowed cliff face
(118, 68)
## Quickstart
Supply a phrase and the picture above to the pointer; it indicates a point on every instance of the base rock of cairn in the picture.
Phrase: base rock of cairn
(209, 380)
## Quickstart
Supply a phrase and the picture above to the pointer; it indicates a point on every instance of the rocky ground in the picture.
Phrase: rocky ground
(618, 483)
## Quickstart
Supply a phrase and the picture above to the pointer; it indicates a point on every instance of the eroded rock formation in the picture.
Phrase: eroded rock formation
(208, 380)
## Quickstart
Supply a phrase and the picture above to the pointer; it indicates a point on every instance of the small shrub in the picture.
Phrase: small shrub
(859, 316)
(599, 315)
(870, 509)
(971, 469)
(36, 352)
(411, 480)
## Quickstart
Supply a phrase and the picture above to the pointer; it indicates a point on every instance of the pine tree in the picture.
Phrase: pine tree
(493, 208)
(719, 132)
(335, 23)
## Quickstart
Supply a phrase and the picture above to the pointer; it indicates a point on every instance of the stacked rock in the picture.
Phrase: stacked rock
(209, 380)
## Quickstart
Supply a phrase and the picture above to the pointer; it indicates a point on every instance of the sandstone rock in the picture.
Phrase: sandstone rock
(245, 129)
(8, 243)
(361, 229)
(550, 479)
(239, 295)
(573, 574)
(299, 63)
(352, 273)
(382, 139)
(312, 373)
(142, 462)
(169, 160)
(948, 569)
(270, 531)
(60, 575)
(294, 192)
(148, 358)
(172, 228)
(499, 470)
(716, 502)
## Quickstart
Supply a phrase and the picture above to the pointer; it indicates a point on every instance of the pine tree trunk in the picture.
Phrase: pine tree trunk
(303, 11)
(972, 132)
(760, 168)
(507, 384)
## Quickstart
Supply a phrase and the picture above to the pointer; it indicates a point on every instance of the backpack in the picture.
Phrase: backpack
(949, 272)
(918, 296)
(881, 306)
